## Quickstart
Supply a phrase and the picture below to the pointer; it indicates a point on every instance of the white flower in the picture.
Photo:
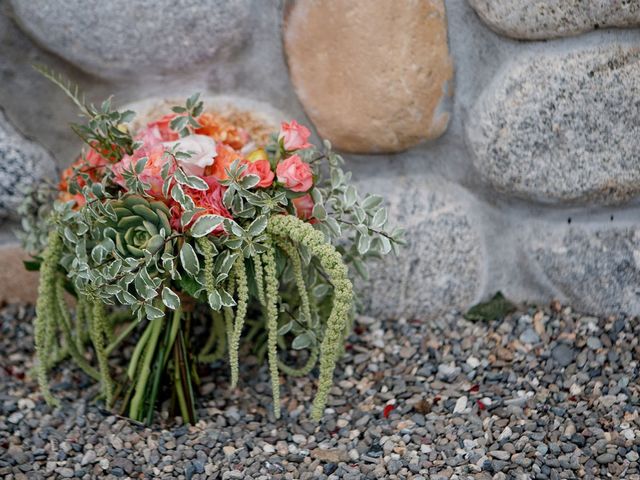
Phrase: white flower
(201, 148)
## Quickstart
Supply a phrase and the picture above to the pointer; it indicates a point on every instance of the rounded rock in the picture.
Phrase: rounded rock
(23, 166)
(120, 38)
(375, 78)
(544, 19)
(574, 141)
(442, 265)
(596, 269)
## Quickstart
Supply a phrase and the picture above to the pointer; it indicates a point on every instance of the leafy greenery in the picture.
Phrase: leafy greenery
(496, 308)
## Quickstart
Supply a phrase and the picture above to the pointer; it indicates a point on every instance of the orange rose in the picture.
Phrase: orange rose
(222, 131)
(224, 159)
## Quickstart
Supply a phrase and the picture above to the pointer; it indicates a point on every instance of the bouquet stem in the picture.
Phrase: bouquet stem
(160, 353)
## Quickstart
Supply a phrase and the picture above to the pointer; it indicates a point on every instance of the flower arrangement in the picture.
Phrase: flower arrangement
(191, 237)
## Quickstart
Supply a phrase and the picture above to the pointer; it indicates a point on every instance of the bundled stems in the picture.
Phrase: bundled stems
(135, 409)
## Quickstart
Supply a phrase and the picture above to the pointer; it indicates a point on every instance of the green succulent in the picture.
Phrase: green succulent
(140, 225)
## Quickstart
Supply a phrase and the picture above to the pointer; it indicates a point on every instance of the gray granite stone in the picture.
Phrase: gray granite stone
(574, 140)
(441, 267)
(23, 164)
(596, 268)
(120, 38)
(544, 19)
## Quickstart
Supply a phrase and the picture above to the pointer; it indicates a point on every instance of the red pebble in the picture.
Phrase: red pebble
(475, 388)
(481, 405)
(387, 410)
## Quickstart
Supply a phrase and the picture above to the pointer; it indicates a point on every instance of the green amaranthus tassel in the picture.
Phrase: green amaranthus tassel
(45, 313)
(259, 277)
(296, 263)
(64, 320)
(271, 281)
(99, 327)
(242, 287)
(305, 369)
(331, 261)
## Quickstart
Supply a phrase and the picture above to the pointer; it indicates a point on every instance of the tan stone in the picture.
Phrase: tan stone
(371, 74)
(16, 283)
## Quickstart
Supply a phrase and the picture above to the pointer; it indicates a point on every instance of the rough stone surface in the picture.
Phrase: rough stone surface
(22, 165)
(441, 266)
(371, 75)
(16, 283)
(544, 19)
(575, 140)
(124, 37)
(596, 269)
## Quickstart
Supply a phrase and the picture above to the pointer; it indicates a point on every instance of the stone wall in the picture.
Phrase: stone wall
(503, 132)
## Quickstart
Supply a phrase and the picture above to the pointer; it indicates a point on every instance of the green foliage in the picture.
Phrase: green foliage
(105, 130)
(185, 122)
(496, 308)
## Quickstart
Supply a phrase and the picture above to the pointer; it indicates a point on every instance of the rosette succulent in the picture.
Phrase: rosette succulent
(140, 225)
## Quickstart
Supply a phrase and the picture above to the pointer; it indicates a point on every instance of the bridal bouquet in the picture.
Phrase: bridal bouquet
(191, 238)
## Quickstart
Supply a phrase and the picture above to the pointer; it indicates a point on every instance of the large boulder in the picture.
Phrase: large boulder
(24, 165)
(562, 127)
(542, 19)
(372, 75)
(122, 38)
(596, 268)
(442, 267)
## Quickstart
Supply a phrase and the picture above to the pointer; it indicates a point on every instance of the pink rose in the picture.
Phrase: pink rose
(295, 174)
(163, 129)
(303, 207)
(294, 136)
(262, 169)
(152, 173)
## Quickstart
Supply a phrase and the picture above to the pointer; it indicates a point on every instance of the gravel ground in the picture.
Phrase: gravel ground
(545, 393)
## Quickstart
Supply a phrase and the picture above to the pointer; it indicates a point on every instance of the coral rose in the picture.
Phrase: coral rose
(262, 169)
(303, 207)
(294, 136)
(209, 200)
(295, 174)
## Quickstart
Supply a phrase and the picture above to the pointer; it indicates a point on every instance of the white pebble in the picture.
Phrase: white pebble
(473, 362)
(268, 448)
(299, 439)
(461, 405)
(26, 404)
